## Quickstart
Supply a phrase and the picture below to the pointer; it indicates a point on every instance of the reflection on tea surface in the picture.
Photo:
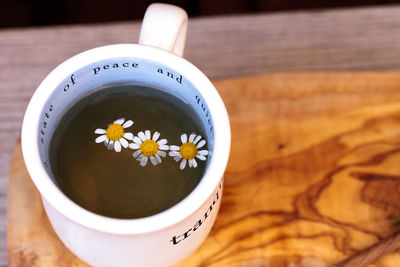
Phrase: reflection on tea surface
(116, 184)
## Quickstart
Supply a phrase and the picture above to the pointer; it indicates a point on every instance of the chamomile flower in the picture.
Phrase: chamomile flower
(189, 150)
(149, 148)
(115, 136)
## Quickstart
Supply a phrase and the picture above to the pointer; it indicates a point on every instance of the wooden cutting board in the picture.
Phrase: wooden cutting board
(313, 176)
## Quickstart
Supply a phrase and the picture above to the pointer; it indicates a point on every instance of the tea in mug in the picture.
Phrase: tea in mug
(128, 151)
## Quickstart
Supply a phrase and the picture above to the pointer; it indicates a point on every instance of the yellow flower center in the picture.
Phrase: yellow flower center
(188, 151)
(115, 132)
(149, 148)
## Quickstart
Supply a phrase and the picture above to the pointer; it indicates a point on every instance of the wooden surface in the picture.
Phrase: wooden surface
(343, 39)
(313, 176)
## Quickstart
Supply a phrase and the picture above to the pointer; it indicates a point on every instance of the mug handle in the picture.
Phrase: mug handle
(164, 26)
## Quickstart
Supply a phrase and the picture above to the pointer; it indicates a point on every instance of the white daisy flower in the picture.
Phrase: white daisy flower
(148, 147)
(189, 150)
(115, 136)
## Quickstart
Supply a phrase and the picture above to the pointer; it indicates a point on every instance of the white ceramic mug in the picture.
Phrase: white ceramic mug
(161, 239)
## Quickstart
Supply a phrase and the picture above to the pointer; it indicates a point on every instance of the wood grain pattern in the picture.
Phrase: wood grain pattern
(313, 176)
(373, 253)
(228, 46)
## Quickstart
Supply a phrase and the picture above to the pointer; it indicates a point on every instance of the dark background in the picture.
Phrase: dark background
(22, 13)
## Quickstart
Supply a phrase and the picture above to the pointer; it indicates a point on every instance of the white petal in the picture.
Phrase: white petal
(110, 145)
(174, 147)
(203, 152)
(134, 146)
(162, 142)
(191, 137)
(100, 139)
(142, 136)
(161, 153)
(158, 158)
(183, 164)
(143, 161)
(117, 146)
(153, 160)
(178, 158)
(127, 124)
(100, 131)
(155, 136)
(197, 139)
(190, 163)
(136, 153)
(194, 163)
(106, 143)
(119, 121)
(201, 144)
(200, 157)
(172, 153)
(137, 140)
(164, 147)
(184, 138)
(123, 142)
(148, 134)
(128, 136)
(141, 156)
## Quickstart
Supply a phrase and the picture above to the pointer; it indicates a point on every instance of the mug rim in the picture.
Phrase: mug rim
(173, 215)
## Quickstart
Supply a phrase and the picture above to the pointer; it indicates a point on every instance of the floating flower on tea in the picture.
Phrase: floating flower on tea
(189, 150)
(115, 136)
(148, 147)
